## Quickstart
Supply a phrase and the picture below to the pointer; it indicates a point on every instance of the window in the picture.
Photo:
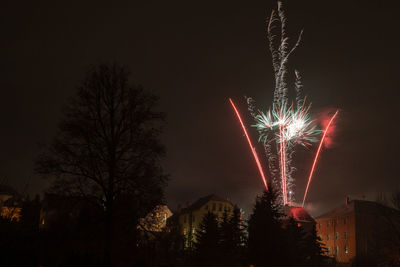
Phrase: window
(336, 221)
(345, 220)
(328, 223)
(346, 249)
(320, 237)
(328, 237)
(337, 250)
(184, 231)
(213, 206)
(345, 235)
(220, 207)
(337, 235)
(329, 250)
(193, 230)
(319, 226)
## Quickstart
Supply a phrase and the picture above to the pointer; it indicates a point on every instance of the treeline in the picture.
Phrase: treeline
(268, 238)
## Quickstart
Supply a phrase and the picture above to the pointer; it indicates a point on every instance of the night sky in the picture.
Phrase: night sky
(194, 55)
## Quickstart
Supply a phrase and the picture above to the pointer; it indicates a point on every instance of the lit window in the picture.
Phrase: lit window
(213, 207)
(337, 235)
(345, 235)
(346, 249)
(193, 230)
(328, 237)
(184, 231)
(337, 250)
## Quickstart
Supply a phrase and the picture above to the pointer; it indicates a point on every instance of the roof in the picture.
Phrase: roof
(355, 206)
(298, 213)
(201, 201)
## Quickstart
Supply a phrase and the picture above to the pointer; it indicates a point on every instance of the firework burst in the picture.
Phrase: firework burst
(282, 127)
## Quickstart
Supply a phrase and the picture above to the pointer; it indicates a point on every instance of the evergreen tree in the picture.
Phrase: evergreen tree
(266, 243)
(233, 238)
(207, 244)
(295, 243)
(314, 250)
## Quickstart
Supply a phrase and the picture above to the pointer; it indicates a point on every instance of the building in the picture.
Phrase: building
(189, 218)
(360, 229)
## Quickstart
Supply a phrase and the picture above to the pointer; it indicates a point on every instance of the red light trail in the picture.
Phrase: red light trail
(317, 155)
(253, 150)
(283, 167)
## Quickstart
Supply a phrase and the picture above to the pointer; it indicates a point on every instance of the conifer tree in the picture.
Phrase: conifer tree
(266, 243)
(295, 243)
(314, 250)
(207, 244)
(233, 238)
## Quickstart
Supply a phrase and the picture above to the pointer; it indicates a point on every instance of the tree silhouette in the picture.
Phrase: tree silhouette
(233, 239)
(314, 249)
(295, 243)
(107, 149)
(207, 244)
(266, 243)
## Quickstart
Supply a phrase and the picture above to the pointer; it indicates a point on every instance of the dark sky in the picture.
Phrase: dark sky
(196, 54)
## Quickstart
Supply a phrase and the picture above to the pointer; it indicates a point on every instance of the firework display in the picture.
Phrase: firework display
(287, 123)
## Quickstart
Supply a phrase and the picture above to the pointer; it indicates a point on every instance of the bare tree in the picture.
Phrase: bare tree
(107, 149)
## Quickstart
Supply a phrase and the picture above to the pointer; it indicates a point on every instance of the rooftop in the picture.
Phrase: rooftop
(203, 200)
(298, 213)
(358, 206)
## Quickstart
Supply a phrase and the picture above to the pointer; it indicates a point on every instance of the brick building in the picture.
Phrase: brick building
(361, 229)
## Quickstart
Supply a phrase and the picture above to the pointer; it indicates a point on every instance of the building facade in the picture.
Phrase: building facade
(190, 218)
(360, 229)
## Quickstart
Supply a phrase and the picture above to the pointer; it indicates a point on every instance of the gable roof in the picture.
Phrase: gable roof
(298, 213)
(357, 206)
(202, 201)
